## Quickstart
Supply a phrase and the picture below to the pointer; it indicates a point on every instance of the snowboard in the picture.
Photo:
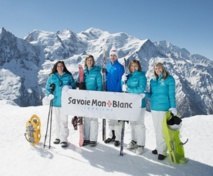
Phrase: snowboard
(174, 145)
(80, 119)
(104, 89)
(33, 130)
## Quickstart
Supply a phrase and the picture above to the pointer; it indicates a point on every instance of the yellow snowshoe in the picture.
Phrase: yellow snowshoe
(33, 127)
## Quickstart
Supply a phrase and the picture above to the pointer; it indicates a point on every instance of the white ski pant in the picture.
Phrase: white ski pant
(57, 111)
(116, 126)
(90, 129)
(158, 117)
(64, 127)
(138, 129)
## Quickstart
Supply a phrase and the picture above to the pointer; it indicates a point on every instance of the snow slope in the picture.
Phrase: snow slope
(18, 157)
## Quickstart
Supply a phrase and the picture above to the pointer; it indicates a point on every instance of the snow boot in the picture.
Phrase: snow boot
(155, 152)
(139, 150)
(57, 141)
(117, 143)
(108, 140)
(161, 157)
(64, 144)
(93, 143)
(86, 142)
(132, 145)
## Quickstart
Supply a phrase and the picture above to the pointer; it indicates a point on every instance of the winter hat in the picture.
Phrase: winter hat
(113, 51)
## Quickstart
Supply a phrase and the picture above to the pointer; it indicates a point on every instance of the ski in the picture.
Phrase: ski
(104, 89)
(123, 122)
(81, 119)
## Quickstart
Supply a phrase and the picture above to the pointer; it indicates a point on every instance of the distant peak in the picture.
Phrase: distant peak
(94, 30)
(3, 31)
(66, 31)
(164, 43)
(39, 31)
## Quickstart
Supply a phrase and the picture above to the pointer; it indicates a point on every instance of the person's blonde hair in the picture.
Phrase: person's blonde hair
(164, 72)
(93, 60)
(135, 62)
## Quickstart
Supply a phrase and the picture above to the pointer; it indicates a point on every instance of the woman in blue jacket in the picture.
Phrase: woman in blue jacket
(93, 82)
(58, 78)
(136, 83)
(162, 92)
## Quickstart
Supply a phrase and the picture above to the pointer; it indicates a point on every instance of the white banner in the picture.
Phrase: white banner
(106, 105)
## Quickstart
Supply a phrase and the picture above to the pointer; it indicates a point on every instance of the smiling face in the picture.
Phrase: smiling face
(158, 70)
(89, 62)
(134, 67)
(60, 68)
(113, 58)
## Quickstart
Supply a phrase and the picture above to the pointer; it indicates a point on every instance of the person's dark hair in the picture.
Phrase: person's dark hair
(135, 62)
(54, 69)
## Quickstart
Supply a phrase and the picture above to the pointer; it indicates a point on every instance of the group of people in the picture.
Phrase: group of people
(162, 95)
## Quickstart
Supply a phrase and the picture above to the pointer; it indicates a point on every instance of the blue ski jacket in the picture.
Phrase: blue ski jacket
(136, 83)
(114, 73)
(162, 93)
(93, 78)
(59, 81)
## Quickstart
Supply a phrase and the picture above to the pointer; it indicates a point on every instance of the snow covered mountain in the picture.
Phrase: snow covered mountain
(19, 66)
(28, 61)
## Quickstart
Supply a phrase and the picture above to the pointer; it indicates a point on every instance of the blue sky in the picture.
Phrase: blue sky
(185, 23)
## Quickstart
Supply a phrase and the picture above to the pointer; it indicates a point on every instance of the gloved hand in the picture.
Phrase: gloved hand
(66, 88)
(50, 97)
(124, 77)
(124, 87)
(173, 110)
(103, 70)
(175, 127)
(45, 101)
(142, 95)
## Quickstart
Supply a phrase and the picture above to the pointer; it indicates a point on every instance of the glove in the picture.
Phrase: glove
(82, 86)
(124, 77)
(103, 70)
(173, 110)
(175, 127)
(50, 97)
(124, 87)
(66, 88)
(79, 65)
(45, 101)
(142, 95)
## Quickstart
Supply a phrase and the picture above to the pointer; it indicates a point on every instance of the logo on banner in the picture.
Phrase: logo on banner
(98, 103)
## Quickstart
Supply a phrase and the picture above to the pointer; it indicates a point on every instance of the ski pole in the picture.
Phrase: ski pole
(49, 113)
(104, 89)
(50, 126)
(52, 88)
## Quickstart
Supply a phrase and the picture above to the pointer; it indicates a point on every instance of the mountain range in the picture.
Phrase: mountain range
(26, 63)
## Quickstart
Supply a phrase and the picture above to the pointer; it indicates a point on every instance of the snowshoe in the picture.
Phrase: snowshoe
(33, 128)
